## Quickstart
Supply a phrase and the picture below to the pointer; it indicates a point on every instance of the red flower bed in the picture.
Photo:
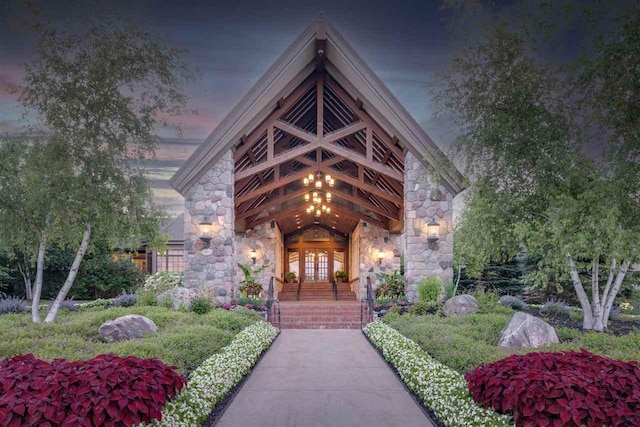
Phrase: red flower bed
(560, 389)
(104, 391)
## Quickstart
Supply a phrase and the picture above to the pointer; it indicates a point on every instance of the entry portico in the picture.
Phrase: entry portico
(318, 169)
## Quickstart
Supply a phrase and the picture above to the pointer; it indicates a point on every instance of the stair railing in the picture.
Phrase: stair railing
(273, 305)
(299, 285)
(366, 306)
(334, 286)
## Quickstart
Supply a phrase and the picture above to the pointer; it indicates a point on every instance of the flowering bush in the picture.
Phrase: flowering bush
(212, 380)
(163, 281)
(570, 388)
(100, 302)
(442, 389)
(105, 390)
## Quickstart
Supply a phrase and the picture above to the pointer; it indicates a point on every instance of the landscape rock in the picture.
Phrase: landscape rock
(179, 297)
(513, 302)
(461, 305)
(127, 327)
(527, 331)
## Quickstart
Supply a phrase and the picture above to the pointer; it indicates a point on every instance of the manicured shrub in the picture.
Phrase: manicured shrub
(554, 307)
(201, 305)
(12, 304)
(102, 276)
(441, 389)
(105, 390)
(430, 289)
(125, 300)
(490, 303)
(568, 389)
(422, 308)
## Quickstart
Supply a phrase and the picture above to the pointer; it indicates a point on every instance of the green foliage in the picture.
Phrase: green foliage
(384, 301)
(341, 275)
(525, 123)
(253, 301)
(10, 304)
(290, 276)
(201, 305)
(391, 285)
(422, 308)
(490, 303)
(104, 277)
(184, 340)
(146, 297)
(430, 289)
(449, 288)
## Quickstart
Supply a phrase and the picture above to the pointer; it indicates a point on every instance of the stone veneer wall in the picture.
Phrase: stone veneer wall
(264, 240)
(212, 196)
(423, 201)
(370, 239)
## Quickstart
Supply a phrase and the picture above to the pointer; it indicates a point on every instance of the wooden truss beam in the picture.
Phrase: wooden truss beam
(272, 186)
(361, 184)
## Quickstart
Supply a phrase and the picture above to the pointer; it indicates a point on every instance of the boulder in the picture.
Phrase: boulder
(179, 296)
(525, 330)
(462, 305)
(127, 327)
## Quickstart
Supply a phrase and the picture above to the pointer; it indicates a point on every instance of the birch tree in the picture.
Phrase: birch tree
(527, 131)
(101, 91)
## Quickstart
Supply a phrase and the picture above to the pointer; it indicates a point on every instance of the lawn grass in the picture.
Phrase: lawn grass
(184, 340)
(463, 343)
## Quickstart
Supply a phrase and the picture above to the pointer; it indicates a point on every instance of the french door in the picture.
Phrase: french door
(316, 265)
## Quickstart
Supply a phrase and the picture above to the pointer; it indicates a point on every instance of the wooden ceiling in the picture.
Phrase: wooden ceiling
(319, 127)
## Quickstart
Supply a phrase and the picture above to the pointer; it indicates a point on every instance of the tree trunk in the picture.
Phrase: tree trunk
(608, 304)
(53, 312)
(587, 314)
(37, 291)
(596, 306)
(26, 277)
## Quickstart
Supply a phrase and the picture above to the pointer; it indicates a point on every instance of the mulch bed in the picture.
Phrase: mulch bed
(615, 327)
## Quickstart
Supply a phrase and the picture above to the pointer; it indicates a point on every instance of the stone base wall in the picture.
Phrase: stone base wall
(424, 201)
(372, 239)
(211, 197)
(264, 240)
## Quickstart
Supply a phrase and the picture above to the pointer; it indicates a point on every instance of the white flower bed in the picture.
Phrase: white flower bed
(163, 281)
(217, 375)
(441, 388)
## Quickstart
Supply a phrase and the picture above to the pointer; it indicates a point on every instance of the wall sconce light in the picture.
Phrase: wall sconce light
(380, 256)
(205, 231)
(253, 255)
(433, 231)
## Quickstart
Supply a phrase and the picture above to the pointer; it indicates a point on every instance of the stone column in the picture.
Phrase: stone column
(262, 239)
(372, 239)
(211, 197)
(424, 201)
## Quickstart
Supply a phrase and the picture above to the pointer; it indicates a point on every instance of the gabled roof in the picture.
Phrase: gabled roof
(287, 72)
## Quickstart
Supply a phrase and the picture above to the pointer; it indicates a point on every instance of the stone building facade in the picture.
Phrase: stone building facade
(318, 112)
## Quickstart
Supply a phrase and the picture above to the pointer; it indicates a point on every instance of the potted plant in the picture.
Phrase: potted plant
(290, 277)
(341, 276)
(250, 286)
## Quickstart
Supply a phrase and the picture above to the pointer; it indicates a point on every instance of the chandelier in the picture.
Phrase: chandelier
(316, 180)
(317, 200)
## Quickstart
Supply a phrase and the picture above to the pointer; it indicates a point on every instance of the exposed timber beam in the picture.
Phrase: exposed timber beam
(364, 186)
(282, 158)
(272, 186)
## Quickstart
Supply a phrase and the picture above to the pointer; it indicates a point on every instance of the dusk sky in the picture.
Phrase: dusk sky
(233, 43)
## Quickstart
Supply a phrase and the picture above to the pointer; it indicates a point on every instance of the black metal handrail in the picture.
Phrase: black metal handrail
(273, 305)
(299, 285)
(366, 306)
(334, 286)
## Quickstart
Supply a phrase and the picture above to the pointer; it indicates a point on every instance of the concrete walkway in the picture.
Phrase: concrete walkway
(323, 378)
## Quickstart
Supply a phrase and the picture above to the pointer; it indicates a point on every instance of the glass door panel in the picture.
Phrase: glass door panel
(339, 262)
(323, 265)
(294, 263)
(309, 265)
